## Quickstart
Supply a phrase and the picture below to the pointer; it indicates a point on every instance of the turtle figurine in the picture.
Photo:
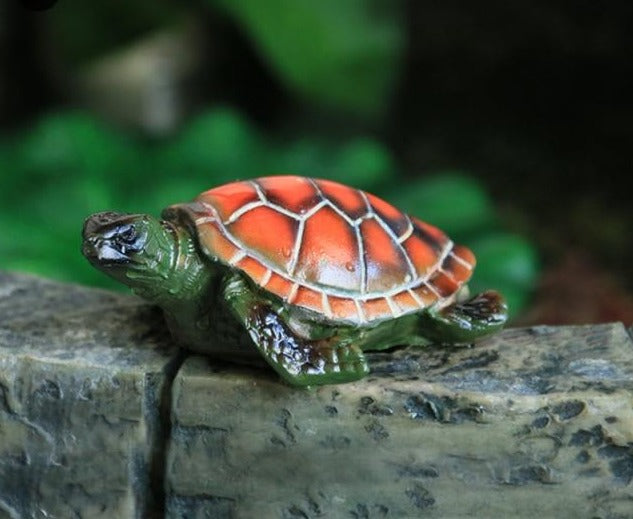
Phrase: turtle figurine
(305, 274)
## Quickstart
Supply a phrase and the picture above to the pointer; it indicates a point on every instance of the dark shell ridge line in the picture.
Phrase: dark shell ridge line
(408, 232)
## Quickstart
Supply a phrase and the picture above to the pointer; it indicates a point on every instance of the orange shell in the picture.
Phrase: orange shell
(327, 247)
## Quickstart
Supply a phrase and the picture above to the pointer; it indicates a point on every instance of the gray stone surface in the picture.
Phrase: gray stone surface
(534, 422)
(82, 376)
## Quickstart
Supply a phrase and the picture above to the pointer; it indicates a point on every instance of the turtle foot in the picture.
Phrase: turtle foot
(303, 362)
(300, 361)
(464, 322)
(486, 308)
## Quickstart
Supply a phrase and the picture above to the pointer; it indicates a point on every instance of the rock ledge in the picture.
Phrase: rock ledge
(102, 416)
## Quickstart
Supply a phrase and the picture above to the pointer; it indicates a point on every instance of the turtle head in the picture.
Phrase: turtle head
(135, 249)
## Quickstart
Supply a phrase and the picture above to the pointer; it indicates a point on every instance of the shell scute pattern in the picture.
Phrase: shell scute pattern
(274, 236)
(349, 201)
(238, 195)
(297, 194)
(396, 221)
(329, 253)
(385, 260)
(328, 247)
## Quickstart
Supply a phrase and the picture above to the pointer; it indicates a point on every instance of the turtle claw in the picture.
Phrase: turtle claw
(488, 307)
(466, 321)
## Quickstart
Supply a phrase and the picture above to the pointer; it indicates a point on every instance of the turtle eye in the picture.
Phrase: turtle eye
(128, 236)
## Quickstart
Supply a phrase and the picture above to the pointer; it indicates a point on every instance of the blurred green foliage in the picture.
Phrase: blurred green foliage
(84, 30)
(344, 54)
(507, 262)
(69, 165)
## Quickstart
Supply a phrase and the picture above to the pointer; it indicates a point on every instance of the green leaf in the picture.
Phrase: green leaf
(308, 157)
(341, 53)
(455, 203)
(8, 173)
(217, 147)
(507, 263)
(362, 163)
(167, 192)
(45, 249)
(62, 207)
(71, 144)
(365, 164)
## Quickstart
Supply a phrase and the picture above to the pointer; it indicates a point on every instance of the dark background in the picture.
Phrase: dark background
(532, 99)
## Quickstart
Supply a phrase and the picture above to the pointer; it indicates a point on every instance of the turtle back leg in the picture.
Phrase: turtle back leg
(300, 361)
(463, 322)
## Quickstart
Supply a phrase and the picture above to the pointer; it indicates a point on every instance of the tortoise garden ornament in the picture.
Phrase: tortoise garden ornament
(304, 273)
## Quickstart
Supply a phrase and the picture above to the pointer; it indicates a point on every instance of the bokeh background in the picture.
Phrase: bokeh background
(507, 124)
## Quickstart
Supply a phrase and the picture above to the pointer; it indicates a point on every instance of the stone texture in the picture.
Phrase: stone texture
(533, 422)
(82, 376)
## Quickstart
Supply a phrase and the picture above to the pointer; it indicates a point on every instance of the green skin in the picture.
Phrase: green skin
(208, 306)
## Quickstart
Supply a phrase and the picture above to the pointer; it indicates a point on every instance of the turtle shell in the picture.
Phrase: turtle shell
(327, 247)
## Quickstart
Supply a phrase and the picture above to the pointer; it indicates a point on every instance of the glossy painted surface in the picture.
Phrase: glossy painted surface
(328, 247)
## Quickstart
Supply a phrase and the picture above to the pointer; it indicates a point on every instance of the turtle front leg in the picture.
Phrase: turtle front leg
(300, 361)
(466, 321)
